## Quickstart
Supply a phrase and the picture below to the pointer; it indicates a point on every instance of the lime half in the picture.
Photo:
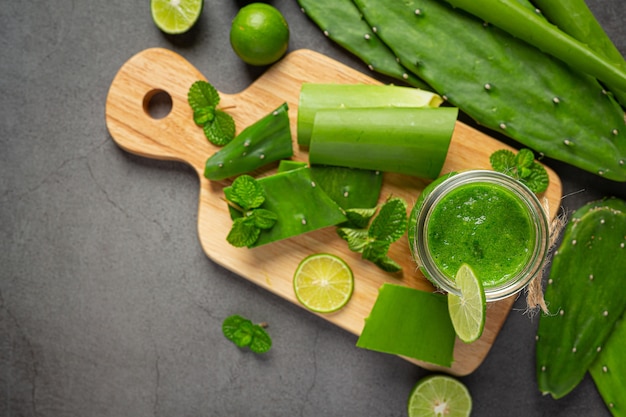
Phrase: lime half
(323, 282)
(175, 16)
(439, 396)
(467, 310)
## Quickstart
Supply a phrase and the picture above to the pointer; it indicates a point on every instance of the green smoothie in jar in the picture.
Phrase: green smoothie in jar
(486, 219)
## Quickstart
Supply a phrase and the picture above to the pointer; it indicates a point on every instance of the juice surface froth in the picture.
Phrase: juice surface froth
(484, 225)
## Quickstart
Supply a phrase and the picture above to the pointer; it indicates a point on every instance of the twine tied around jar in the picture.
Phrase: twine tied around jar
(534, 290)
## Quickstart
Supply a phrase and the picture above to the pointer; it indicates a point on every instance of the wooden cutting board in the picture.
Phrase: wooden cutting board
(176, 137)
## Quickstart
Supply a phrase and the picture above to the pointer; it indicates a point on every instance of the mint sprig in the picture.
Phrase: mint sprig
(521, 166)
(246, 196)
(218, 126)
(374, 239)
(243, 333)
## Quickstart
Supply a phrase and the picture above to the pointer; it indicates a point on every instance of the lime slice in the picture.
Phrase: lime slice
(175, 16)
(467, 310)
(323, 283)
(439, 396)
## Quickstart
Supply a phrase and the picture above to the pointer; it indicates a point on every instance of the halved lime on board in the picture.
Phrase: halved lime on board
(323, 282)
(175, 16)
(439, 396)
(467, 310)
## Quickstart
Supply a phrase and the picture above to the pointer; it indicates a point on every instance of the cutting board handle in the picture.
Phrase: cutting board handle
(128, 118)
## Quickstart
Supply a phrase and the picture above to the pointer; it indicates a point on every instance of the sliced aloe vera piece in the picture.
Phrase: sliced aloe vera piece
(412, 323)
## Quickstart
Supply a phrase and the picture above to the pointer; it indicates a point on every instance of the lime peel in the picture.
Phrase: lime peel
(468, 310)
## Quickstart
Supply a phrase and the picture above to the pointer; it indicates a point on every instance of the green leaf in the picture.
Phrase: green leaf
(222, 130)
(390, 223)
(242, 332)
(201, 95)
(359, 218)
(387, 264)
(244, 232)
(375, 250)
(261, 340)
(247, 192)
(524, 158)
(263, 219)
(356, 238)
(538, 179)
(204, 115)
(503, 161)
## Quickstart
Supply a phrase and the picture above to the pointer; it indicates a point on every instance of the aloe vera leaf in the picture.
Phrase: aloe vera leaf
(315, 97)
(348, 187)
(525, 24)
(412, 323)
(265, 141)
(342, 22)
(402, 140)
(506, 84)
(300, 205)
(575, 18)
(609, 368)
(585, 294)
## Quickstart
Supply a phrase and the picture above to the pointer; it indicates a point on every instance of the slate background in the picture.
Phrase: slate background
(109, 307)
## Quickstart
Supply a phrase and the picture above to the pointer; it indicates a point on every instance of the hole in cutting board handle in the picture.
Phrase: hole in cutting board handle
(157, 104)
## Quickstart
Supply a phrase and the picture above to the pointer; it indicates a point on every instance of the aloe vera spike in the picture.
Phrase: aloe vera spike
(299, 204)
(522, 23)
(585, 294)
(575, 18)
(317, 96)
(342, 22)
(402, 140)
(609, 368)
(505, 84)
(265, 141)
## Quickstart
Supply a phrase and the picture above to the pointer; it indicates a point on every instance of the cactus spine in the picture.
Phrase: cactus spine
(585, 293)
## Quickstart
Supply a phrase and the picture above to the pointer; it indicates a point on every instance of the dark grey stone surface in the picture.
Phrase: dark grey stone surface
(109, 307)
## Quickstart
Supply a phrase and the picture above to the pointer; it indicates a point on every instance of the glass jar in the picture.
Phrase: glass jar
(486, 219)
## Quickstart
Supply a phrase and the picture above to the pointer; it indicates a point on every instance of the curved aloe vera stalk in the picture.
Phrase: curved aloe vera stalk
(402, 140)
(586, 294)
(505, 84)
(609, 369)
(265, 141)
(299, 204)
(342, 22)
(519, 21)
(316, 97)
(575, 18)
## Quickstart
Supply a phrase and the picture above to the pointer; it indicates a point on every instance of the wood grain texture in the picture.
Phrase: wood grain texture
(176, 137)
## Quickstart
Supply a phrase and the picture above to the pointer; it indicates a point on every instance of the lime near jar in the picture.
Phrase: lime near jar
(486, 219)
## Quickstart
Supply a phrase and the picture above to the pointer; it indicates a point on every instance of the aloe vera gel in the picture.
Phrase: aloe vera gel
(486, 219)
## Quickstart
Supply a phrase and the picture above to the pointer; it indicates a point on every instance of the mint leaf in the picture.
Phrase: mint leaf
(263, 219)
(221, 130)
(359, 218)
(374, 241)
(356, 238)
(521, 166)
(503, 161)
(201, 95)
(244, 232)
(246, 192)
(218, 126)
(243, 333)
(391, 222)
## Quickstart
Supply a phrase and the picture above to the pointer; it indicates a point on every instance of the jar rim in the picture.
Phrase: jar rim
(539, 222)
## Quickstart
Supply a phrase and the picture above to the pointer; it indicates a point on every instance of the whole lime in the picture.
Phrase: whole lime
(259, 34)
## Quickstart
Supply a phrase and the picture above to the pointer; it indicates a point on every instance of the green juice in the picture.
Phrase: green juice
(484, 225)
